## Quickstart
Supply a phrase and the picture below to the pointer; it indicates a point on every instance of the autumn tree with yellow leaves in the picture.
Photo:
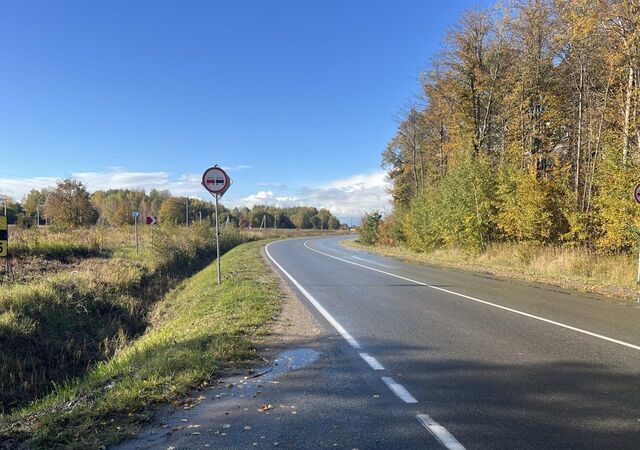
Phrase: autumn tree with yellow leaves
(529, 130)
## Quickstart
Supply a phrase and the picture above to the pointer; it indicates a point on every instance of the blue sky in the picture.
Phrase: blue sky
(296, 98)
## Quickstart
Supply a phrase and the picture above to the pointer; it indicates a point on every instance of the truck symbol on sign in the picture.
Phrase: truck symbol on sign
(215, 181)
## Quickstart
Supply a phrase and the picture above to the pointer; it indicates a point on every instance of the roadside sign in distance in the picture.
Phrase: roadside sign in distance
(135, 214)
(216, 180)
(151, 220)
(4, 237)
(636, 193)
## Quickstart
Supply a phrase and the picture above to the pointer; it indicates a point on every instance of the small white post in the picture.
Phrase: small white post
(135, 229)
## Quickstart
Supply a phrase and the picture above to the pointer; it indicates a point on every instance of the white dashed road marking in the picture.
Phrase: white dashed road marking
(399, 390)
(373, 363)
(440, 433)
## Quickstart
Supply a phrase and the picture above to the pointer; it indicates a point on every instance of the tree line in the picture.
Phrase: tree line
(70, 204)
(527, 128)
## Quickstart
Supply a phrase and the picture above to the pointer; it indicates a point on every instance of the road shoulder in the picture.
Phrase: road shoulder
(566, 284)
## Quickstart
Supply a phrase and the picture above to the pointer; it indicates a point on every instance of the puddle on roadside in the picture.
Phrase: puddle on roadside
(216, 398)
(294, 359)
(248, 386)
(285, 362)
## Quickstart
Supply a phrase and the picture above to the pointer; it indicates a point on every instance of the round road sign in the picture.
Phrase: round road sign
(216, 180)
(636, 193)
(135, 214)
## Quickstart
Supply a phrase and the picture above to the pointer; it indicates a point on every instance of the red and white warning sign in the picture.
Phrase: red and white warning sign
(216, 180)
(151, 220)
(636, 193)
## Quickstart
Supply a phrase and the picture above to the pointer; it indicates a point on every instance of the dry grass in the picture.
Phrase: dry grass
(69, 306)
(574, 268)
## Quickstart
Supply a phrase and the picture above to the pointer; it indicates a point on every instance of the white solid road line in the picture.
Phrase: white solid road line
(399, 390)
(369, 261)
(373, 363)
(440, 433)
(339, 328)
(468, 297)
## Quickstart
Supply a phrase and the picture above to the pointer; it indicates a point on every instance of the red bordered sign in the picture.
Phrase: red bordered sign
(216, 180)
(636, 193)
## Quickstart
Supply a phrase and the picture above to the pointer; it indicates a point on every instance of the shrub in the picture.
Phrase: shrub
(369, 224)
(458, 211)
(617, 211)
(390, 231)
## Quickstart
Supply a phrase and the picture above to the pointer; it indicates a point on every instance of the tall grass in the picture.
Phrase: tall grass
(49, 244)
(55, 327)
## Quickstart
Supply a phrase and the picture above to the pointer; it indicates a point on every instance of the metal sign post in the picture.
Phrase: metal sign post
(636, 196)
(4, 241)
(135, 215)
(216, 181)
(4, 237)
(217, 240)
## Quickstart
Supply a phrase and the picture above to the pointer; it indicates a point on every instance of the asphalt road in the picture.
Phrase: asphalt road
(464, 360)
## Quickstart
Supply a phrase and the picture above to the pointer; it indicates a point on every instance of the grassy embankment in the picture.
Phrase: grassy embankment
(195, 330)
(609, 275)
(80, 295)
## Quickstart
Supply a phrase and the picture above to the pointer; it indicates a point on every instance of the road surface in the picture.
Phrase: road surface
(465, 360)
(374, 353)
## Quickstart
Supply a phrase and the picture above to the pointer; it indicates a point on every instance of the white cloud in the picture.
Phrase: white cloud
(273, 185)
(345, 197)
(360, 181)
(237, 168)
(16, 188)
(115, 178)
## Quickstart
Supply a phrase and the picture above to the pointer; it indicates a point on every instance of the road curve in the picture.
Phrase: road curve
(478, 361)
